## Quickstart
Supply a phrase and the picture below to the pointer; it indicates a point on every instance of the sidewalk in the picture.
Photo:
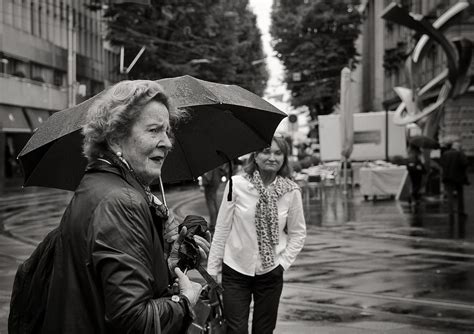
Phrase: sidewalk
(360, 327)
(366, 267)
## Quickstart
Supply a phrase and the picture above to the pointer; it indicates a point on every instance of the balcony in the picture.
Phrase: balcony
(28, 93)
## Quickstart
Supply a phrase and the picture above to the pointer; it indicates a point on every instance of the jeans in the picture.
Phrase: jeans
(238, 292)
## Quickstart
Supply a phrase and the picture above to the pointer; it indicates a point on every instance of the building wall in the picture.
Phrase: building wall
(34, 43)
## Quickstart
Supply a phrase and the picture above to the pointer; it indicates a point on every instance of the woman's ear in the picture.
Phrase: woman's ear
(114, 145)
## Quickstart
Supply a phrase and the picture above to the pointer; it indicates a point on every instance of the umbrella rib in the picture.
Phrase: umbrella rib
(216, 100)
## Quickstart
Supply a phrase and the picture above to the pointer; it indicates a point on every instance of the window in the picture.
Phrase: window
(8, 12)
(40, 21)
(36, 73)
(20, 69)
(16, 13)
(25, 19)
(58, 78)
(34, 31)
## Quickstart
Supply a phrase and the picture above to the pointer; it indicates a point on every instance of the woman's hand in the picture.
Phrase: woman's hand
(171, 228)
(173, 257)
(188, 288)
(204, 245)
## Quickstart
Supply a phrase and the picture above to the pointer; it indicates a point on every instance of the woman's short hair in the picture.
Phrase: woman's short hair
(285, 170)
(112, 116)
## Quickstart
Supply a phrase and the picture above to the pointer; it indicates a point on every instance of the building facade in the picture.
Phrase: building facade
(52, 55)
(386, 46)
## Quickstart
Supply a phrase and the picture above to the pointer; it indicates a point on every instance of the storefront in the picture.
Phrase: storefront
(16, 126)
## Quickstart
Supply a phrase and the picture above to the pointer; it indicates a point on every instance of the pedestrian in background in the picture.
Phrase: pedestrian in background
(416, 170)
(210, 181)
(110, 271)
(454, 164)
(258, 236)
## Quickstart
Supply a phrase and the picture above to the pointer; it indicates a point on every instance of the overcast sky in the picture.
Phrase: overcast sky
(262, 8)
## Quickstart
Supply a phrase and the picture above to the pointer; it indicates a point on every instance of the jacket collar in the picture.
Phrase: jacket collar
(108, 165)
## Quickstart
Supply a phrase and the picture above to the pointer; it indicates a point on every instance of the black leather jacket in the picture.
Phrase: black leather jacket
(110, 274)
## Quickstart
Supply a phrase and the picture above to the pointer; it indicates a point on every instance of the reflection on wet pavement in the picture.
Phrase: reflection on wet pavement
(381, 258)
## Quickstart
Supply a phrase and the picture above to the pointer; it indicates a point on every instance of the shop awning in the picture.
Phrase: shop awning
(37, 117)
(12, 119)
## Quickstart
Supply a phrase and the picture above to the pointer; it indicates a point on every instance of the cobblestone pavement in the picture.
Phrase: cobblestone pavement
(367, 267)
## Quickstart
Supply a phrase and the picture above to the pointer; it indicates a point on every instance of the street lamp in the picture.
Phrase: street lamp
(258, 61)
(200, 61)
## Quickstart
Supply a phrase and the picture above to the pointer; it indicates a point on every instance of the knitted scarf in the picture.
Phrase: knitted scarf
(266, 214)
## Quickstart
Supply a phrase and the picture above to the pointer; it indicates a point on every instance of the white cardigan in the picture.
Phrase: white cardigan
(235, 237)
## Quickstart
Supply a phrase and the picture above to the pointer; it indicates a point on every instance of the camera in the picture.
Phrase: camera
(188, 254)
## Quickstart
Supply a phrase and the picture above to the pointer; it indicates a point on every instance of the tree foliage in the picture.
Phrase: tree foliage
(315, 40)
(214, 40)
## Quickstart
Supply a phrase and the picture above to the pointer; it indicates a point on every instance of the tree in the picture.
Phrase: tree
(214, 40)
(315, 40)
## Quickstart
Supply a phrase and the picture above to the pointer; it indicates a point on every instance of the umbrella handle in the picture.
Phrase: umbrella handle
(162, 190)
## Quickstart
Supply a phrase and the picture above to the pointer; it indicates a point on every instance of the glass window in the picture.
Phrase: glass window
(59, 78)
(34, 31)
(8, 12)
(20, 68)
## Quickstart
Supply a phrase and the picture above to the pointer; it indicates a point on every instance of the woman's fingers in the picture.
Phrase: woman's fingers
(182, 235)
(202, 243)
(178, 272)
(208, 236)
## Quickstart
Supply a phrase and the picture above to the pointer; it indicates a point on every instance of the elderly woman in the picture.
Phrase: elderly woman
(258, 235)
(111, 274)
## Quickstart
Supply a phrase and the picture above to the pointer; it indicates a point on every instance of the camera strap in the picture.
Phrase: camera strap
(209, 280)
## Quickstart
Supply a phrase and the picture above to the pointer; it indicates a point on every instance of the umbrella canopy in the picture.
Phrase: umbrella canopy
(424, 142)
(226, 121)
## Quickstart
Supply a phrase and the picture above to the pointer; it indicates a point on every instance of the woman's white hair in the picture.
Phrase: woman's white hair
(112, 116)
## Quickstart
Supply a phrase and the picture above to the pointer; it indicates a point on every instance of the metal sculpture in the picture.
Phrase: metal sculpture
(419, 100)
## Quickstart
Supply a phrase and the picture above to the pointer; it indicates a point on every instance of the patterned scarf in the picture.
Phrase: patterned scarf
(266, 214)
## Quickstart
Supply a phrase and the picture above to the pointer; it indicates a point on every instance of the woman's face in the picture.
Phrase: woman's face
(270, 160)
(149, 143)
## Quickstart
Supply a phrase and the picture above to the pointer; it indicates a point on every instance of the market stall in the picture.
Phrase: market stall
(381, 179)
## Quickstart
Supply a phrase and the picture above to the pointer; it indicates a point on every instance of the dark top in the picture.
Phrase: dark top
(110, 273)
(454, 164)
(212, 178)
(415, 167)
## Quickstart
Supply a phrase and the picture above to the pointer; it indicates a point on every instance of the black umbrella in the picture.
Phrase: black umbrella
(226, 122)
(424, 142)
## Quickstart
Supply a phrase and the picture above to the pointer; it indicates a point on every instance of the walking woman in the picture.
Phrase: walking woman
(258, 235)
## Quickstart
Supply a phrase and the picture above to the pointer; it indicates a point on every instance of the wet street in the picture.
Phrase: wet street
(367, 267)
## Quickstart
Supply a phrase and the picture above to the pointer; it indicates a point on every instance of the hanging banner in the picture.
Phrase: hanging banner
(347, 118)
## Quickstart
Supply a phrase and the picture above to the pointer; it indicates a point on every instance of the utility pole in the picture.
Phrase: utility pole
(71, 59)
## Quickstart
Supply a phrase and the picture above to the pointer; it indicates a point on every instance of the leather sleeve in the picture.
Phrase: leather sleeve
(122, 255)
